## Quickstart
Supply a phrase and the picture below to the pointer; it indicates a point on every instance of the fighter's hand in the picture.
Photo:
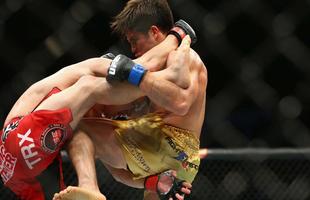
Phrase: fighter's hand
(167, 186)
(178, 64)
(185, 44)
(184, 188)
(123, 68)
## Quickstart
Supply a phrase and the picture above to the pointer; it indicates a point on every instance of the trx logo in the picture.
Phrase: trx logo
(53, 137)
(26, 150)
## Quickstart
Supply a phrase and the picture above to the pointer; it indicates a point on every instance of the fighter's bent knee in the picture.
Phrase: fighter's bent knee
(95, 88)
(88, 83)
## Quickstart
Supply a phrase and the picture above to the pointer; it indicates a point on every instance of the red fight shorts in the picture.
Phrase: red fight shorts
(28, 145)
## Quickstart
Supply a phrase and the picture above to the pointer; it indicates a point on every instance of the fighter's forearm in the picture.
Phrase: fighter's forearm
(155, 58)
(122, 93)
(165, 93)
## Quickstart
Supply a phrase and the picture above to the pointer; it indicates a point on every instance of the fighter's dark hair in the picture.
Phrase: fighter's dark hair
(140, 15)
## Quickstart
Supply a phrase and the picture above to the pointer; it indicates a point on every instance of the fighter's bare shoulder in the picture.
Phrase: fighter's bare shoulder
(197, 61)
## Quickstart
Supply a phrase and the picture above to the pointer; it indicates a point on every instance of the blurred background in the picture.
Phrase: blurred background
(257, 53)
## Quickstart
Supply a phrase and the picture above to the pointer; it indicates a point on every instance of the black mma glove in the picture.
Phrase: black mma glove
(172, 185)
(181, 29)
(110, 56)
(123, 68)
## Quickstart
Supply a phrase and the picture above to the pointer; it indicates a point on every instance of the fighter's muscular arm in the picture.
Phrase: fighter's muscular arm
(156, 57)
(176, 87)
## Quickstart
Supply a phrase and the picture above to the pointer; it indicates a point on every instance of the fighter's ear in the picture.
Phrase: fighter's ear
(155, 32)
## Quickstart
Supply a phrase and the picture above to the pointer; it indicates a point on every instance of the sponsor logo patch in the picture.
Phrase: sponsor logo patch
(53, 137)
(189, 165)
(7, 164)
(182, 156)
(7, 130)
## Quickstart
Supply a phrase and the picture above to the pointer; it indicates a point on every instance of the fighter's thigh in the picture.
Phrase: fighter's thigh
(108, 148)
(79, 97)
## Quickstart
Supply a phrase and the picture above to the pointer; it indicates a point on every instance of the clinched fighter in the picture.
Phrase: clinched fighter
(154, 134)
(42, 120)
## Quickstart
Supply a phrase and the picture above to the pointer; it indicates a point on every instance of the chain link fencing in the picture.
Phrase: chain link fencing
(239, 174)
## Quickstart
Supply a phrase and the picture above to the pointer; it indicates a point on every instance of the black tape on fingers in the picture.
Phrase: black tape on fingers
(181, 29)
(187, 29)
(175, 189)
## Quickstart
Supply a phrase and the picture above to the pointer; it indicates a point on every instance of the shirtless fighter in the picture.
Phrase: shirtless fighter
(139, 147)
(42, 119)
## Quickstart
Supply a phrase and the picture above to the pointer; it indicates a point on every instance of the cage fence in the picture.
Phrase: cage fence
(226, 174)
